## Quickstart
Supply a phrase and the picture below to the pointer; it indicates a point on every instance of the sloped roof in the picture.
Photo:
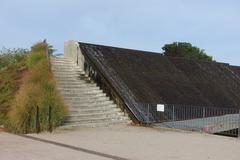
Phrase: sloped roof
(154, 78)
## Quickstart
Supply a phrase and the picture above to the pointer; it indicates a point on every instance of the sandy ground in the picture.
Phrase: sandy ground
(128, 142)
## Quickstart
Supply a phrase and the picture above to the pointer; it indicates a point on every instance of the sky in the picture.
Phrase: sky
(212, 25)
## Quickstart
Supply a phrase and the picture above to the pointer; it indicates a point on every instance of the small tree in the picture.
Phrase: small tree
(13, 56)
(51, 50)
(50, 47)
(183, 49)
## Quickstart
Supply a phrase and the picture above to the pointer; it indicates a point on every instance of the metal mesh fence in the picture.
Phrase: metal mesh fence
(214, 120)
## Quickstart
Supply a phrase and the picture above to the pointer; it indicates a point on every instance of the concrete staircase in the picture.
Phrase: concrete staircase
(88, 105)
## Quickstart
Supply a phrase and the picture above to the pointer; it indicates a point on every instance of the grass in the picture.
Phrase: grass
(12, 66)
(37, 90)
(12, 57)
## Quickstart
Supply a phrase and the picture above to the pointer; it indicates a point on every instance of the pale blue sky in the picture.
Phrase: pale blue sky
(213, 25)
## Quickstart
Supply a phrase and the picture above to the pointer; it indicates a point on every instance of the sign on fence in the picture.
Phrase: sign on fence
(160, 107)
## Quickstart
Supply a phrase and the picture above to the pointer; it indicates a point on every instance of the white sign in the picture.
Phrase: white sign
(160, 107)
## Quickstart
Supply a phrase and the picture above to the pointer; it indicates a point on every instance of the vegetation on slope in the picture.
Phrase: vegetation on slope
(12, 67)
(12, 57)
(186, 50)
(37, 94)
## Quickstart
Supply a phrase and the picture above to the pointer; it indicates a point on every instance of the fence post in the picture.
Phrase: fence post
(204, 112)
(173, 114)
(204, 115)
(239, 124)
(37, 120)
(50, 118)
(148, 114)
(28, 124)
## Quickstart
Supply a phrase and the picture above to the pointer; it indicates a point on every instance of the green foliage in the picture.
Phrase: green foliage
(10, 57)
(2, 118)
(38, 89)
(12, 62)
(186, 50)
(51, 49)
(32, 60)
(7, 86)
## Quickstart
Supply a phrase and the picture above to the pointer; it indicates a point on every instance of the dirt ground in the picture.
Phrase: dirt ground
(126, 142)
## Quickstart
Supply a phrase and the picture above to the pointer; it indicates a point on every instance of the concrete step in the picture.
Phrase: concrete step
(88, 105)
(72, 78)
(70, 126)
(74, 90)
(70, 67)
(100, 106)
(93, 104)
(84, 100)
(108, 114)
(60, 70)
(67, 72)
(81, 84)
(76, 82)
(82, 95)
(88, 93)
(69, 79)
(60, 58)
(66, 68)
(69, 75)
(93, 110)
(96, 120)
(62, 62)
(79, 90)
(62, 80)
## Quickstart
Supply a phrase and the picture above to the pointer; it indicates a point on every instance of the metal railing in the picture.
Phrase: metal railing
(214, 120)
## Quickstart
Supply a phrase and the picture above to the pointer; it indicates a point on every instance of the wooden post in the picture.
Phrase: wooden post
(50, 118)
(37, 120)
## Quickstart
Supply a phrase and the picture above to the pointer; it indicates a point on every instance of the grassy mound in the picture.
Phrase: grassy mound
(12, 67)
(37, 104)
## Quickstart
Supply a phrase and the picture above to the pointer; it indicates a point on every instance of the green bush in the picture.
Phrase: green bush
(12, 62)
(9, 57)
(38, 90)
(186, 50)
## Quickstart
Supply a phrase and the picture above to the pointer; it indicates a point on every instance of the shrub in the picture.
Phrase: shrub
(9, 57)
(186, 50)
(12, 62)
(37, 91)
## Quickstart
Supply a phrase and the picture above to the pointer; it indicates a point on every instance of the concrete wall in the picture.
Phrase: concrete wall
(72, 51)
